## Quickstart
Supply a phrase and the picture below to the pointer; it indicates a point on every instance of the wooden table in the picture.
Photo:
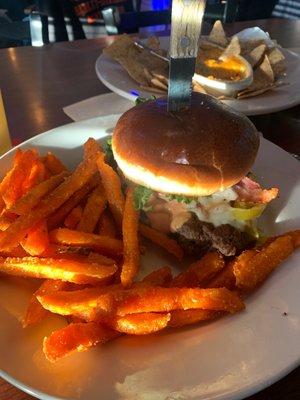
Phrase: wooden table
(37, 82)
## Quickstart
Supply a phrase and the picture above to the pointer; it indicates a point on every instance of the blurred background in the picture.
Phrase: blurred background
(37, 22)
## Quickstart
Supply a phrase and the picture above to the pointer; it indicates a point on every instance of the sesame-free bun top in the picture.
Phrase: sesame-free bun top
(194, 152)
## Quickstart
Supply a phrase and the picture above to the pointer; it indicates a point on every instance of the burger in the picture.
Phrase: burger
(192, 172)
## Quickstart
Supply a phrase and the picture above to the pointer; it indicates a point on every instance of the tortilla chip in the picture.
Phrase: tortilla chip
(256, 55)
(206, 45)
(277, 62)
(159, 84)
(126, 52)
(151, 62)
(266, 68)
(135, 60)
(263, 76)
(233, 49)
(134, 69)
(154, 44)
(152, 89)
(198, 88)
(148, 75)
(120, 48)
(244, 94)
(162, 78)
(249, 45)
(223, 97)
(217, 34)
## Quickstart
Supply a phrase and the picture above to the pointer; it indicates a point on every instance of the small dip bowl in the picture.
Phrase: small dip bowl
(229, 75)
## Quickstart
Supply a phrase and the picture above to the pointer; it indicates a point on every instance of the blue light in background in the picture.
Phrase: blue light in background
(134, 93)
(161, 4)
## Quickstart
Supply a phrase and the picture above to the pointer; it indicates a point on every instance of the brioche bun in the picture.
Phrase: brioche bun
(195, 152)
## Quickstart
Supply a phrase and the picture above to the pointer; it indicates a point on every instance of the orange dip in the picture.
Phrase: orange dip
(229, 69)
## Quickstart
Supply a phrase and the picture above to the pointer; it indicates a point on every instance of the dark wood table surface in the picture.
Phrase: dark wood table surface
(36, 83)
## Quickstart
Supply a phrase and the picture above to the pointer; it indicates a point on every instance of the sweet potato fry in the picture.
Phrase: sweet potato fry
(255, 270)
(200, 272)
(77, 254)
(2, 205)
(73, 218)
(93, 209)
(74, 320)
(160, 277)
(37, 239)
(76, 337)
(11, 187)
(225, 278)
(131, 261)
(75, 302)
(102, 244)
(113, 192)
(67, 253)
(61, 213)
(60, 251)
(5, 180)
(37, 175)
(96, 303)
(18, 156)
(162, 240)
(295, 235)
(139, 324)
(100, 259)
(35, 312)
(107, 226)
(83, 173)
(6, 219)
(188, 317)
(34, 196)
(16, 252)
(63, 269)
(53, 164)
(159, 299)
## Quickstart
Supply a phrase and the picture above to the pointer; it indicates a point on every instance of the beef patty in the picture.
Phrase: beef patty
(197, 237)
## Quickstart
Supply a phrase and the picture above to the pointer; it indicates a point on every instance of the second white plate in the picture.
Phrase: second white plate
(116, 79)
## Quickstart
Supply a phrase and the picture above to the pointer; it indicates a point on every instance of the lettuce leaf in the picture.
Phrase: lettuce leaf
(142, 195)
(140, 100)
(108, 151)
(179, 198)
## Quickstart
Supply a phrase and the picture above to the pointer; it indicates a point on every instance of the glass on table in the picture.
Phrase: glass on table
(5, 142)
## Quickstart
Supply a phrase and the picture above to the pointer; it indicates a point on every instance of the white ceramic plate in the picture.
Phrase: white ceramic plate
(226, 359)
(116, 79)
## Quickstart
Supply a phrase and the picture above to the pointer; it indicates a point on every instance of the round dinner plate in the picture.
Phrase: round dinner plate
(230, 358)
(116, 79)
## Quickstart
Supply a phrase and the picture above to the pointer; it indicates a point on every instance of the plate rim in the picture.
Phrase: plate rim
(237, 395)
(241, 394)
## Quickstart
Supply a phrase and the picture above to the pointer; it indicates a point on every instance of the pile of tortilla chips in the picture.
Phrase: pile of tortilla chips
(151, 72)
(267, 61)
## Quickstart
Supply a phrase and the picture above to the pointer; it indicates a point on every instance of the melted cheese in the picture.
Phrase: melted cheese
(216, 209)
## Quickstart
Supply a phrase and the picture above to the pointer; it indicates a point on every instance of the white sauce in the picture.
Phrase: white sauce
(214, 209)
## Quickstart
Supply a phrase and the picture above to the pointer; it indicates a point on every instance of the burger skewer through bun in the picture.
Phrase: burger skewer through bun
(191, 170)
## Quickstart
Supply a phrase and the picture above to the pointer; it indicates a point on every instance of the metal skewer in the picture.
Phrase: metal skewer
(187, 16)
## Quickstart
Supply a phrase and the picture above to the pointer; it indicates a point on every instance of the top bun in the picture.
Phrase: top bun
(194, 152)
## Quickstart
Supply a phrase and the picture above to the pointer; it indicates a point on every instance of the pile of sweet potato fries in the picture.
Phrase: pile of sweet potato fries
(78, 233)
